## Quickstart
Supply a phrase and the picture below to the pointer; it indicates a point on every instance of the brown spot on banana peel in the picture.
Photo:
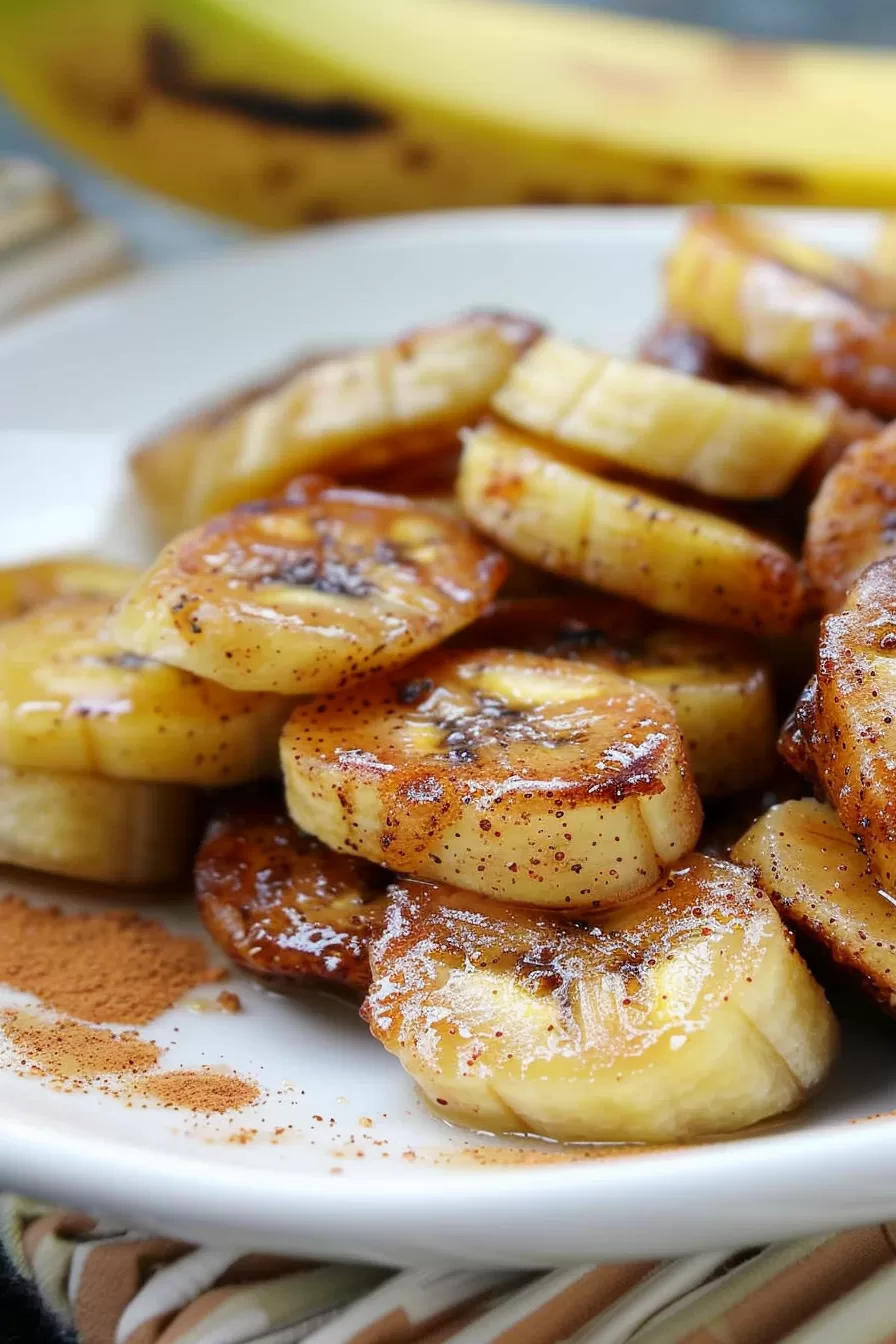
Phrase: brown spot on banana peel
(167, 68)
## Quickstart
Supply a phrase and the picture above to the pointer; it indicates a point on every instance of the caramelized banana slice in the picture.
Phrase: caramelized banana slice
(72, 701)
(795, 312)
(163, 468)
(97, 830)
(821, 883)
(842, 734)
(528, 778)
(311, 591)
(26, 586)
(678, 560)
(720, 440)
(687, 1012)
(852, 520)
(717, 684)
(348, 415)
(281, 904)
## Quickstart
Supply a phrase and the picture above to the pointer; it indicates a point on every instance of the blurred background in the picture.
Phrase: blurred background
(178, 126)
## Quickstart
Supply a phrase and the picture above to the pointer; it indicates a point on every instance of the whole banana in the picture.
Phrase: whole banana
(284, 114)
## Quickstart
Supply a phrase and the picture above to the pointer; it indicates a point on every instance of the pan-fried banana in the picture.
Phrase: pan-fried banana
(717, 683)
(348, 415)
(527, 778)
(852, 520)
(163, 467)
(842, 734)
(282, 905)
(71, 700)
(721, 440)
(26, 586)
(687, 1012)
(97, 830)
(821, 883)
(794, 312)
(678, 560)
(311, 591)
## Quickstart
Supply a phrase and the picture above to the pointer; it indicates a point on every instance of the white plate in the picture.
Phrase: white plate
(361, 1167)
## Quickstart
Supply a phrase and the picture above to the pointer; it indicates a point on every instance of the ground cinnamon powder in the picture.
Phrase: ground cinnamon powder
(114, 966)
(201, 1090)
(68, 1050)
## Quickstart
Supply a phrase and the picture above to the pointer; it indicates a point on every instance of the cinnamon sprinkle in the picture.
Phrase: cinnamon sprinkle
(66, 1050)
(114, 966)
(201, 1090)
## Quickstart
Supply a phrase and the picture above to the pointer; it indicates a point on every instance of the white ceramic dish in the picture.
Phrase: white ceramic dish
(361, 1168)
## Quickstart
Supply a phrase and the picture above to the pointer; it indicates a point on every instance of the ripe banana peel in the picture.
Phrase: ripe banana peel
(282, 113)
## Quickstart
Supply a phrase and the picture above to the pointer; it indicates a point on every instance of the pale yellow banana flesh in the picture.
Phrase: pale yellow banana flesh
(821, 883)
(884, 254)
(718, 684)
(26, 586)
(736, 284)
(720, 440)
(72, 701)
(97, 830)
(685, 1013)
(310, 592)
(526, 778)
(677, 560)
(842, 734)
(349, 414)
(852, 519)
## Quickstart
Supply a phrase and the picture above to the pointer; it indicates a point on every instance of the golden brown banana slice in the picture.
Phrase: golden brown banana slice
(71, 700)
(794, 312)
(348, 415)
(26, 586)
(94, 829)
(527, 778)
(676, 559)
(721, 440)
(717, 684)
(163, 467)
(842, 734)
(282, 905)
(309, 592)
(852, 520)
(821, 883)
(685, 1013)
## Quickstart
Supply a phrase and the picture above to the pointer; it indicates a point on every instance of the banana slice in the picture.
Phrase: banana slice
(842, 734)
(349, 415)
(164, 466)
(685, 1013)
(94, 829)
(309, 592)
(717, 684)
(26, 586)
(820, 882)
(527, 778)
(678, 560)
(73, 701)
(884, 253)
(720, 440)
(852, 520)
(281, 904)
(795, 312)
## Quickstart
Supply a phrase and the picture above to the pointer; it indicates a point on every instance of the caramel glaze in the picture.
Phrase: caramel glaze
(282, 905)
